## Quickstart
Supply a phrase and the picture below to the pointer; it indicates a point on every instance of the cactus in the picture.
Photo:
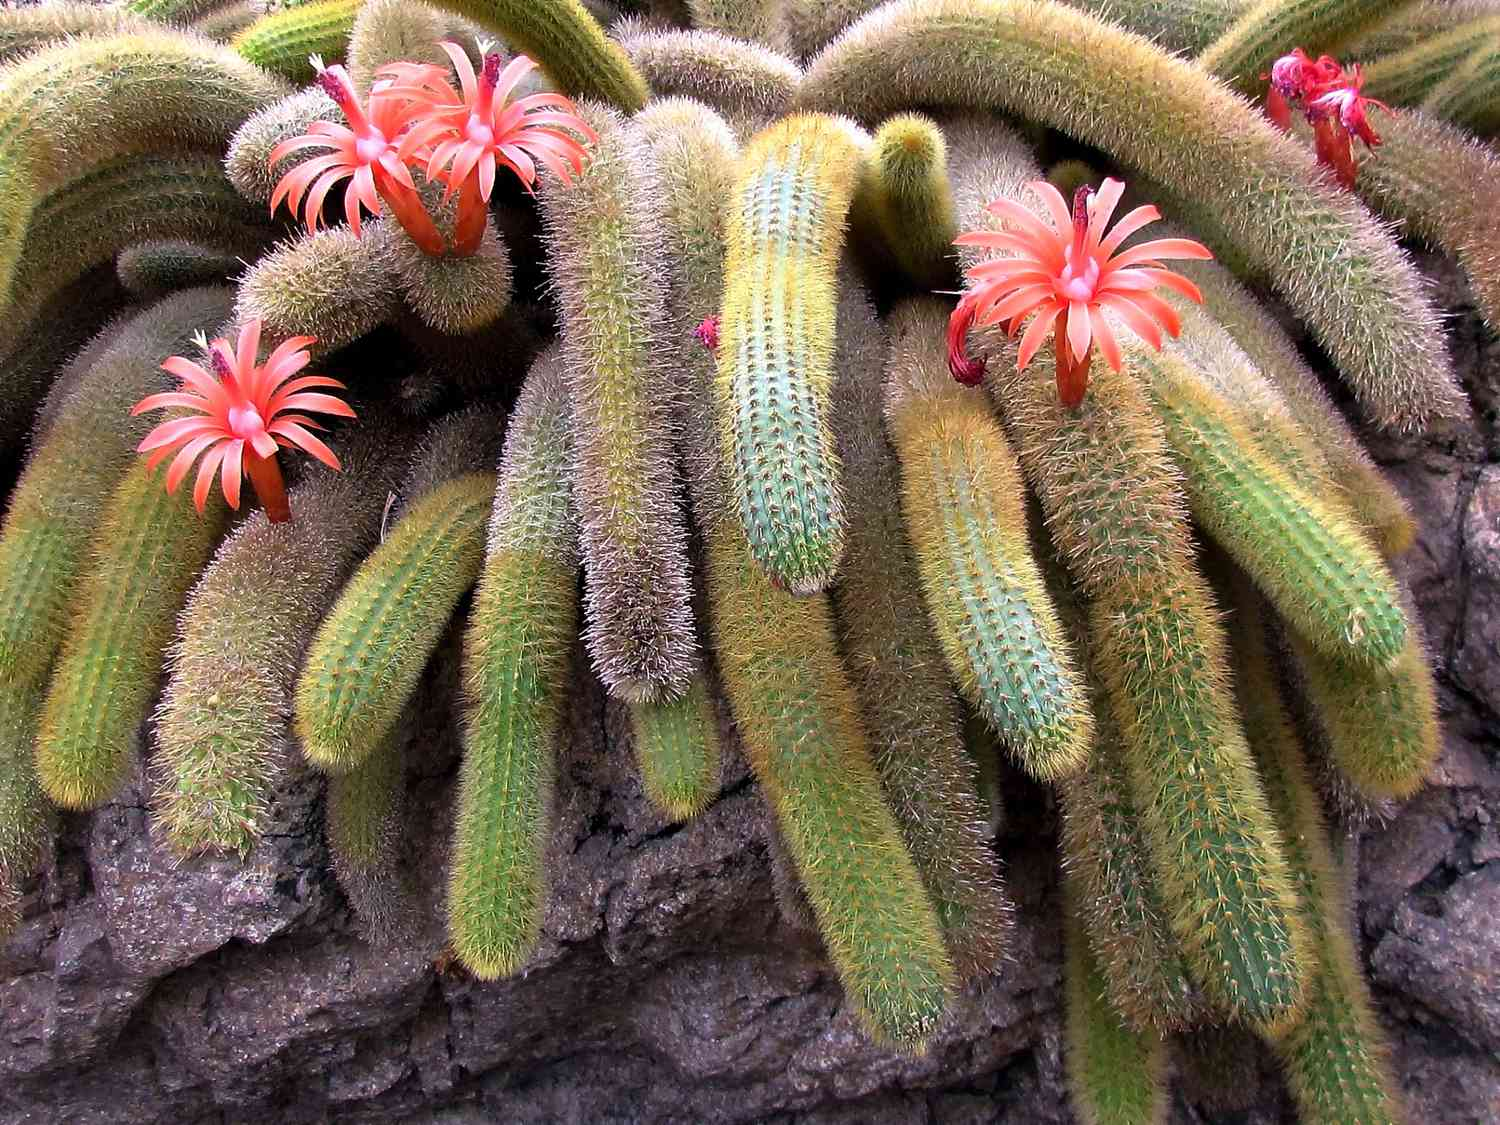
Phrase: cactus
(170, 11)
(906, 191)
(222, 724)
(150, 270)
(148, 550)
(605, 243)
(1379, 724)
(1268, 29)
(60, 498)
(1116, 1074)
(749, 84)
(363, 828)
(1365, 303)
(248, 164)
(387, 31)
(759, 21)
(1312, 562)
(454, 295)
(1408, 75)
(24, 29)
(791, 195)
(811, 24)
(568, 43)
(1185, 26)
(331, 285)
(25, 814)
(677, 749)
(223, 23)
(1336, 1058)
(85, 222)
(1470, 95)
(282, 41)
(516, 669)
(897, 669)
(369, 652)
(963, 499)
(71, 107)
(1432, 177)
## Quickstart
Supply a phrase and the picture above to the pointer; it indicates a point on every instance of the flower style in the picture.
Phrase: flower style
(365, 152)
(1068, 277)
(470, 136)
(247, 410)
(1331, 101)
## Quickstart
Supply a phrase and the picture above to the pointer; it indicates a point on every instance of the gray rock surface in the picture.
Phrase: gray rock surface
(669, 987)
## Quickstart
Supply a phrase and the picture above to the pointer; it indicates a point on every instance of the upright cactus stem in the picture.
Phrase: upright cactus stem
(1268, 29)
(149, 548)
(964, 503)
(516, 670)
(606, 242)
(906, 190)
(896, 666)
(282, 41)
(1336, 1058)
(568, 43)
(776, 339)
(369, 652)
(73, 106)
(1338, 267)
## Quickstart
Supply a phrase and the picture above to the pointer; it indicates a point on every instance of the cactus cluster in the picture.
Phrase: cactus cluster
(735, 465)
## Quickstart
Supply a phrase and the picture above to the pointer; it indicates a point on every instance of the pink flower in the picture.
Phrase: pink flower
(471, 136)
(1065, 276)
(366, 153)
(247, 412)
(1346, 101)
(1332, 103)
(707, 333)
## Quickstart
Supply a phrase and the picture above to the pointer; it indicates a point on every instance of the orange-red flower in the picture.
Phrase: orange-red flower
(1065, 276)
(471, 136)
(246, 410)
(365, 152)
(1332, 102)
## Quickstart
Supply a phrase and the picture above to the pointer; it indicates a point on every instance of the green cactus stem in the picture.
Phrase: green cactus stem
(1470, 96)
(1373, 498)
(964, 503)
(369, 652)
(387, 31)
(567, 42)
(906, 193)
(363, 827)
(331, 285)
(223, 23)
(1182, 26)
(605, 243)
(149, 548)
(74, 106)
(1117, 1075)
(24, 29)
(517, 657)
(1336, 1058)
(85, 222)
(1410, 24)
(751, 85)
(1267, 29)
(1379, 725)
(1339, 269)
(677, 750)
(60, 498)
(1311, 560)
(896, 667)
(282, 41)
(456, 296)
(812, 24)
(170, 11)
(151, 270)
(222, 725)
(25, 814)
(757, 21)
(1409, 75)
(776, 338)
(248, 164)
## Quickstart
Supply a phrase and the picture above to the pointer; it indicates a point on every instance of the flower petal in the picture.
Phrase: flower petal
(231, 472)
(1036, 333)
(206, 470)
(304, 440)
(185, 458)
(1079, 333)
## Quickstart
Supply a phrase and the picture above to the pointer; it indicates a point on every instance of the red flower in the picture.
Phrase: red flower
(469, 137)
(1066, 275)
(245, 416)
(365, 153)
(1332, 103)
(707, 333)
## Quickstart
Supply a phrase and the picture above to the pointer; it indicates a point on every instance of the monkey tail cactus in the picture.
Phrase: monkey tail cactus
(517, 654)
(677, 748)
(776, 338)
(907, 191)
(606, 237)
(1340, 270)
(964, 502)
(370, 650)
(282, 41)
(1267, 29)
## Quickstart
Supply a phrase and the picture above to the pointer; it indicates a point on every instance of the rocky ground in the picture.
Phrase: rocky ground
(669, 986)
